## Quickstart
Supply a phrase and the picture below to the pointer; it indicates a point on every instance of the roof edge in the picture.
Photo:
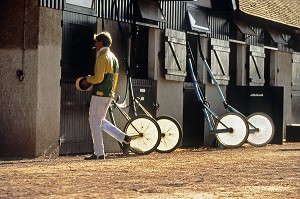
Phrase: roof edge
(267, 19)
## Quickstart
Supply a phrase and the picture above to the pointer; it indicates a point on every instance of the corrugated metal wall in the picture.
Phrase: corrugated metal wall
(75, 137)
(219, 28)
(282, 47)
(256, 40)
(107, 10)
(173, 11)
(175, 15)
(56, 4)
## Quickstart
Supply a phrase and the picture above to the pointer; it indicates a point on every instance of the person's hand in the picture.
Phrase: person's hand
(84, 84)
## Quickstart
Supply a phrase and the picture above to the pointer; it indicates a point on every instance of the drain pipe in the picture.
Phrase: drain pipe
(20, 72)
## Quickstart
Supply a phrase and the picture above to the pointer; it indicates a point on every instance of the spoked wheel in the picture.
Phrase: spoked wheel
(265, 126)
(171, 134)
(238, 133)
(145, 133)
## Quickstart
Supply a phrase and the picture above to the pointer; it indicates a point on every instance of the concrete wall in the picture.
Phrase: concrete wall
(27, 129)
(169, 93)
(48, 81)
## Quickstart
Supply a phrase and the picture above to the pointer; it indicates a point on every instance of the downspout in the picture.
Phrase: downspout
(20, 73)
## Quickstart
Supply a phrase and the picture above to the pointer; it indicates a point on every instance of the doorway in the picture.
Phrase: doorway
(77, 60)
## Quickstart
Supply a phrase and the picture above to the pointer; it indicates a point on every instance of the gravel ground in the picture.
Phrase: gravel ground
(272, 171)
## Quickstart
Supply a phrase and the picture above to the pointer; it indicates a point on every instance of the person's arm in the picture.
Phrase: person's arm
(116, 75)
(99, 70)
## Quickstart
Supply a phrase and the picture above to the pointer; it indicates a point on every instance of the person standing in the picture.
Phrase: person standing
(103, 84)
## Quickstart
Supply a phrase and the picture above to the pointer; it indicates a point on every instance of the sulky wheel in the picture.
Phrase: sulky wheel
(265, 129)
(145, 133)
(171, 134)
(238, 133)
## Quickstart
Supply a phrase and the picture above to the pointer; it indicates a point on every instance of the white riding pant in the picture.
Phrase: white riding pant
(98, 123)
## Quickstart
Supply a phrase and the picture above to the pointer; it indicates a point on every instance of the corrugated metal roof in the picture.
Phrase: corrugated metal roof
(280, 11)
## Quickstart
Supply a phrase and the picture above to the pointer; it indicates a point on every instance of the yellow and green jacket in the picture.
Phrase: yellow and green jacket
(105, 76)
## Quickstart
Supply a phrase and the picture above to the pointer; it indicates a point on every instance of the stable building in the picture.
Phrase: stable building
(253, 49)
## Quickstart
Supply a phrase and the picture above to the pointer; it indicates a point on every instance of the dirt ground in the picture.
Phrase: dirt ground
(272, 171)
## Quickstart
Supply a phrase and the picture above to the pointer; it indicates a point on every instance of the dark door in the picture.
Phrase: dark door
(193, 119)
(77, 60)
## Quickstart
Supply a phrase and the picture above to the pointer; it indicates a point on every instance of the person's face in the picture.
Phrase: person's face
(98, 45)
